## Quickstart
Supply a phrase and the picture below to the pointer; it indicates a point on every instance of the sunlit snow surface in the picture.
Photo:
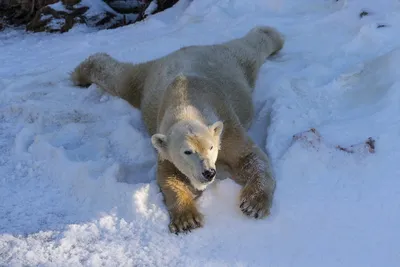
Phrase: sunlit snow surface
(77, 169)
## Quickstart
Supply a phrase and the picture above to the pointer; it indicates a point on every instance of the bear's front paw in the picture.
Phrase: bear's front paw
(255, 201)
(186, 220)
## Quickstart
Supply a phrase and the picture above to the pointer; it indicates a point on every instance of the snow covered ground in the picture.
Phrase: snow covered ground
(77, 170)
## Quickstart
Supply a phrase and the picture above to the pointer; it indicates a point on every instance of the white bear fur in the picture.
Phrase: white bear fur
(197, 98)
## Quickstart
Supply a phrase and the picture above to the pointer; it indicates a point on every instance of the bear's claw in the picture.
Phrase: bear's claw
(255, 202)
(185, 221)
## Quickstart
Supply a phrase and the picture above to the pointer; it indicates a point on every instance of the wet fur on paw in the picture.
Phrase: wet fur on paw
(255, 201)
(185, 221)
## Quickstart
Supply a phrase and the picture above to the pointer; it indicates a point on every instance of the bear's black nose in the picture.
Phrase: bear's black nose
(209, 174)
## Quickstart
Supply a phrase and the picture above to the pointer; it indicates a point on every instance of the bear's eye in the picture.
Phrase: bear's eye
(188, 152)
(211, 147)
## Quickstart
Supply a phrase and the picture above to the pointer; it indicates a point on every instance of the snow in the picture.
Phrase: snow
(96, 7)
(58, 6)
(151, 8)
(77, 170)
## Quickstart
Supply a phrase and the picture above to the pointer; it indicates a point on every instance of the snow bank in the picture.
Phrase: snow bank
(77, 168)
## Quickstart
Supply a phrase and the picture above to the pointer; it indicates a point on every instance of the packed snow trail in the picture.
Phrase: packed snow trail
(77, 183)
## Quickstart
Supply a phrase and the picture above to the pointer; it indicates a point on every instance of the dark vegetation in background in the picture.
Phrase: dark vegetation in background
(62, 15)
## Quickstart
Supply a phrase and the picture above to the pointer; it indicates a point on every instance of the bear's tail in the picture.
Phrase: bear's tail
(117, 78)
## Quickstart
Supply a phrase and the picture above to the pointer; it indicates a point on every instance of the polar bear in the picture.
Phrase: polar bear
(196, 103)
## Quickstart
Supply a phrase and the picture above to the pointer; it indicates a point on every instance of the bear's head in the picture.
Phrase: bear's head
(193, 148)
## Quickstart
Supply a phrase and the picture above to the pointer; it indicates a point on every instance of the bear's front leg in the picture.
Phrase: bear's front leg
(253, 172)
(251, 169)
(179, 199)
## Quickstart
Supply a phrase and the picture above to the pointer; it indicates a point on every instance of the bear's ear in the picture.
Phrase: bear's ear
(159, 142)
(217, 128)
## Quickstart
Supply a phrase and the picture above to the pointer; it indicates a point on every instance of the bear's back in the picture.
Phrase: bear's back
(217, 64)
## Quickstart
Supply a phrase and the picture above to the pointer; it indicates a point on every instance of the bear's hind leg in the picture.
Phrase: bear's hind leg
(122, 79)
(99, 68)
(251, 169)
(179, 199)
